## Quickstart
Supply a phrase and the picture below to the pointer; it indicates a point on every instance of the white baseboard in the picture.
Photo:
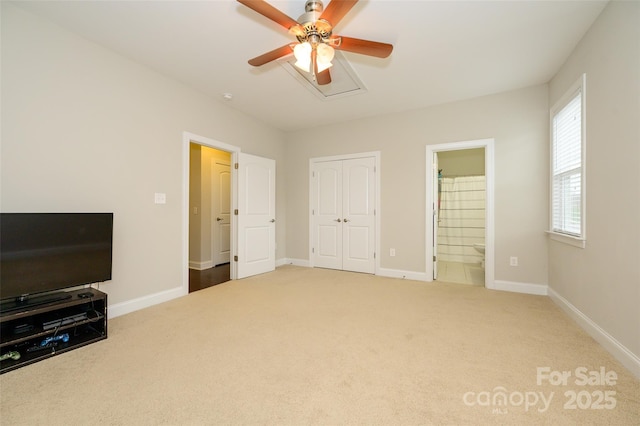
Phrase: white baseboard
(615, 348)
(516, 287)
(201, 266)
(296, 262)
(398, 273)
(144, 302)
(383, 272)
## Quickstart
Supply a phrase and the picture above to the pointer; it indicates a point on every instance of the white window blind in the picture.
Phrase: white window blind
(567, 168)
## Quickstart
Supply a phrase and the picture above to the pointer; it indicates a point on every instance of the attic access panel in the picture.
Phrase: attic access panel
(344, 80)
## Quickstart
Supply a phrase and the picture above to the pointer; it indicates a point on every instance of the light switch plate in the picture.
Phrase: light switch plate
(160, 198)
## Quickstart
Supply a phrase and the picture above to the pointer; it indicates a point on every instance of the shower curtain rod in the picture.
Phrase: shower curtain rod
(454, 176)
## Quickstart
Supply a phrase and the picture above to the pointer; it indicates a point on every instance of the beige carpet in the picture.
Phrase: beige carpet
(309, 346)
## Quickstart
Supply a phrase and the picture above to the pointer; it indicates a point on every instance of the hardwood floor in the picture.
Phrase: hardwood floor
(208, 277)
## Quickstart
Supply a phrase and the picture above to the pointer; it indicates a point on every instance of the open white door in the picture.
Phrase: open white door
(436, 212)
(256, 215)
(221, 211)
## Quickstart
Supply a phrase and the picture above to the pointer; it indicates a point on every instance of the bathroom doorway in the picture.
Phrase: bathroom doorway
(460, 224)
(460, 200)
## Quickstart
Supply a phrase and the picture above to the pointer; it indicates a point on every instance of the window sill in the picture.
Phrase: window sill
(567, 239)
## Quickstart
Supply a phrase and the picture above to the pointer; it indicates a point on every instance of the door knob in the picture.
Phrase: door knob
(338, 220)
(346, 220)
(272, 220)
(218, 219)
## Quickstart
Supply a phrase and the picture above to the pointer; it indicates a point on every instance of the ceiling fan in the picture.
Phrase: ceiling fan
(316, 41)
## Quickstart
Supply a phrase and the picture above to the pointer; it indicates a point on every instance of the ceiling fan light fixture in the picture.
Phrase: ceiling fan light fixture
(304, 66)
(325, 56)
(324, 66)
(302, 52)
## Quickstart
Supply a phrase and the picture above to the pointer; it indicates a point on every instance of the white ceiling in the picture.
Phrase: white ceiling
(444, 51)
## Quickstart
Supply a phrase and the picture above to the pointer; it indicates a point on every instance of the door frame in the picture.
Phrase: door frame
(187, 139)
(489, 163)
(376, 156)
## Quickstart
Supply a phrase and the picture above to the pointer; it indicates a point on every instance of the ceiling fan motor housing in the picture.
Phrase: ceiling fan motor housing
(316, 30)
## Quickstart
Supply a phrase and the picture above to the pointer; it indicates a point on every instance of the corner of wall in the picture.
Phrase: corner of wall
(516, 287)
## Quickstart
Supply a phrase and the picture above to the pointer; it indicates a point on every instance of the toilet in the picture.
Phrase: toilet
(480, 249)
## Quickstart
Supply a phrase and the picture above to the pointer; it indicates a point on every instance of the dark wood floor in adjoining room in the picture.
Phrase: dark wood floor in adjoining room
(208, 277)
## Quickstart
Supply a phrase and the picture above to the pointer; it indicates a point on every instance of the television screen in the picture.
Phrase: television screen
(43, 252)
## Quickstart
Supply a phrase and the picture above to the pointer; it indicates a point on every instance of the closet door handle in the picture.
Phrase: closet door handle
(272, 220)
(338, 220)
(346, 220)
(218, 219)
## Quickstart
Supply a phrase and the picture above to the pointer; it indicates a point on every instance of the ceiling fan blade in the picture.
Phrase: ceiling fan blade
(271, 56)
(335, 11)
(363, 47)
(268, 11)
(323, 77)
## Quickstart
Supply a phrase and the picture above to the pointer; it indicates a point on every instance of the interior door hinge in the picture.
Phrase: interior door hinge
(235, 258)
(374, 254)
(235, 212)
(235, 166)
(313, 250)
(434, 258)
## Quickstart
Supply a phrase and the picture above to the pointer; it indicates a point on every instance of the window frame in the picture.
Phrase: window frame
(579, 87)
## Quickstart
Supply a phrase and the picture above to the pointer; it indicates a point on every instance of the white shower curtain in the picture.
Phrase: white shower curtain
(462, 218)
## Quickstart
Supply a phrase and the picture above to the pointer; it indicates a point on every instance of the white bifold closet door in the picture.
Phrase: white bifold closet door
(344, 214)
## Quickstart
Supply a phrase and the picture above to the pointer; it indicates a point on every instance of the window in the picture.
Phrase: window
(567, 166)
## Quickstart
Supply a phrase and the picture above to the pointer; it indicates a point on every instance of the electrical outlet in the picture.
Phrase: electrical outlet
(392, 252)
(513, 261)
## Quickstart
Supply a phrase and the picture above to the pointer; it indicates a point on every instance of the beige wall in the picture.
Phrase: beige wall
(603, 279)
(84, 129)
(195, 200)
(517, 120)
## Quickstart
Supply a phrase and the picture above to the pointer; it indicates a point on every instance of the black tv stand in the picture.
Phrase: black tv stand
(25, 302)
(32, 333)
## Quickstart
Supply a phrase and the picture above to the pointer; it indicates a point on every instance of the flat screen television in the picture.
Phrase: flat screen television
(44, 253)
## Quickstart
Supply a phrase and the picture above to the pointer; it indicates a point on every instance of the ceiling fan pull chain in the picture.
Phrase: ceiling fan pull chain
(314, 64)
